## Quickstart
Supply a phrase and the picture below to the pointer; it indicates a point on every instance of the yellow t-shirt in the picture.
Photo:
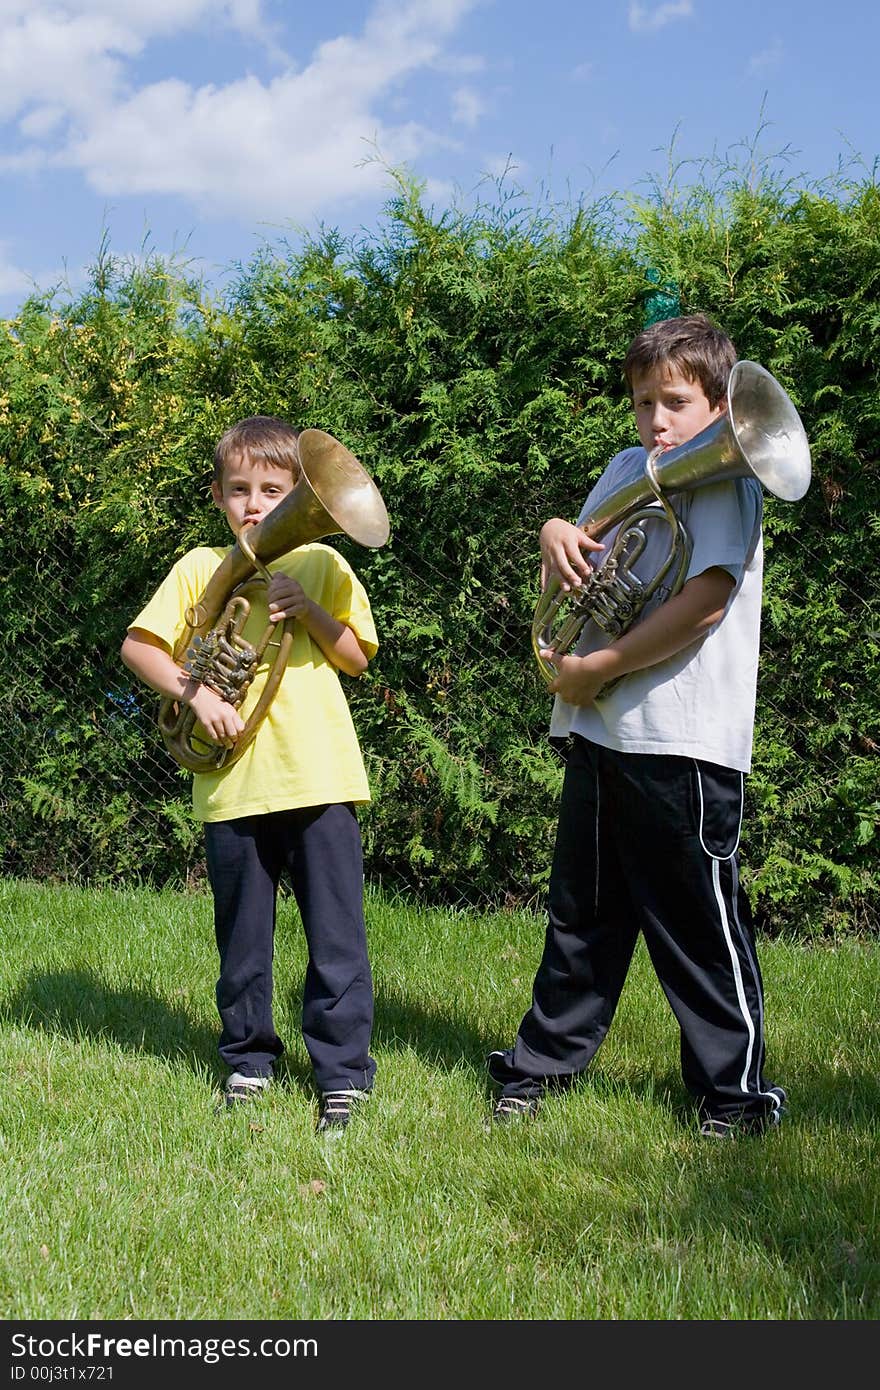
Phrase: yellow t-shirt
(306, 751)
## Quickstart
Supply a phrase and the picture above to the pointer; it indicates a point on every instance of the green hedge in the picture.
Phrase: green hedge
(471, 361)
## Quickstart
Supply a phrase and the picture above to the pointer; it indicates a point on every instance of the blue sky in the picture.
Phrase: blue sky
(205, 127)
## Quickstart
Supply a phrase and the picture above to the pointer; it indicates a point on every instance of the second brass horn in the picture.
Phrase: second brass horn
(334, 495)
(760, 436)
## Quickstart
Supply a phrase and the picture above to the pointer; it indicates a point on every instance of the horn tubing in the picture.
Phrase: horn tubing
(759, 436)
(334, 495)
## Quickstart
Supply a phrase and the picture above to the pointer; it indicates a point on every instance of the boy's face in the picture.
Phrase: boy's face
(669, 409)
(249, 491)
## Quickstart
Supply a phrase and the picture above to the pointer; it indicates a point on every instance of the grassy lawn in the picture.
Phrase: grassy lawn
(126, 1194)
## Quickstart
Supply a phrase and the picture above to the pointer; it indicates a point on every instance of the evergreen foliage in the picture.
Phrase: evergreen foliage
(472, 363)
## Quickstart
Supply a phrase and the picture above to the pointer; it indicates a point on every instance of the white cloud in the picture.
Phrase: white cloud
(767, 59)
(440, 191)
(74, 52)
(583, 72)
(147, 18)
(252, 147)
(17, 283)
(41, 121)
(467, 106)
(277, 151)
(47, 57)
(501, 166)
(643, 20)
(13, 281)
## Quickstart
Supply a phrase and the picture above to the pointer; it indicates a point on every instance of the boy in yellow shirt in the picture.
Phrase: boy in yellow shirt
(288, 803)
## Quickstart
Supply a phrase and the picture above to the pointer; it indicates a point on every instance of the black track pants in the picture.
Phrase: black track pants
(648, 843)
(321, 848)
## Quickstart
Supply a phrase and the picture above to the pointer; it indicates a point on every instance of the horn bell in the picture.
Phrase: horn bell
(343, 489)
(334, 494)
(760, 436)
(768, 431)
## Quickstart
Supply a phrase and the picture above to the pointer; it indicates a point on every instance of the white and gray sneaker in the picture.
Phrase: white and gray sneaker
(240, 1088)
(337, 1108)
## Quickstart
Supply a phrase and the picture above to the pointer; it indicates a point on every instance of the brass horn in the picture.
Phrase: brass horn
(760, 436)
(333, 495)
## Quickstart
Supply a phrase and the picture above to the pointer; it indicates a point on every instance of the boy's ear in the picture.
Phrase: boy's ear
(217, 493)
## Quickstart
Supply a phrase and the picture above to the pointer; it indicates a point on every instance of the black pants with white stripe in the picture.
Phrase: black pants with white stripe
(320, 846)
(648, 843)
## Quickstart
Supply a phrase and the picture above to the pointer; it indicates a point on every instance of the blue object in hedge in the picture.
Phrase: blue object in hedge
(661, 303)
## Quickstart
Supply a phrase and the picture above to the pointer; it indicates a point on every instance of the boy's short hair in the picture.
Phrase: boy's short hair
(264, 438)
(693, 344)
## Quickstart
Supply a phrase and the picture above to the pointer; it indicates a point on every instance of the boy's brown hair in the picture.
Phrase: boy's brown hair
(264, 438)
(693, 344)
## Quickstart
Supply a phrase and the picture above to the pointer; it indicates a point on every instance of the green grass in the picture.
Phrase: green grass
(126, 1195)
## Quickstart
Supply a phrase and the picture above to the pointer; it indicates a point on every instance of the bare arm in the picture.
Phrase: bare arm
(287, 599)
(564, 550)
(145, 655)
(669, 629)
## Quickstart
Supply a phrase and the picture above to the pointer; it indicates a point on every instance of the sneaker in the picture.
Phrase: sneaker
(714, 1128)
(510, 1109)
(241, 1088)
(337, 1108)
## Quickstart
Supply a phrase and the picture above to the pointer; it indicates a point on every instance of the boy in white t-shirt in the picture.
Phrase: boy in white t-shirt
(659, 729)
(289, 801)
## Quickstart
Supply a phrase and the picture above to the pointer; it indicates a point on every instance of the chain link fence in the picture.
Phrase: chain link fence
(472, 364)
(89, 793)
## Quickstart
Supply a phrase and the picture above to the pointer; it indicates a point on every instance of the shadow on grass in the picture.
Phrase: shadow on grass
(807, 1233)
(817, 1097)
(818, 1226)
(797, 1206)
(79, 1003)
(450, 1038)
(447, 1038)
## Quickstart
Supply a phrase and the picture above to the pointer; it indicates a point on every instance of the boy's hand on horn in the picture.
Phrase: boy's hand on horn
(220, 720)
(287, 599)
(564, 551)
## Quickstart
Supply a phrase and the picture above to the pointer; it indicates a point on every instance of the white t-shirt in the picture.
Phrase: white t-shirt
(701, 702)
